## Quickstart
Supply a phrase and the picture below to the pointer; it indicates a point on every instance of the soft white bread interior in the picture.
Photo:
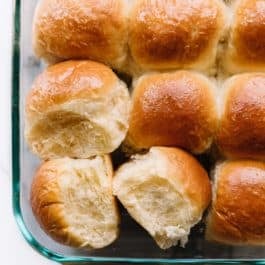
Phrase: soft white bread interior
(174, 34)
(165, 191)
(245, 51)
(173, 109)
(72, 201)
(76, 109)
(83, 29)
(241, 132)
(237, 215)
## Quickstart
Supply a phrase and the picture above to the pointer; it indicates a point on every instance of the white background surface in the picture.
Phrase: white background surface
(13, 249)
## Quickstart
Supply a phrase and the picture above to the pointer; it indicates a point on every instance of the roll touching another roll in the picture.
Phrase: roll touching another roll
(84, 29)
(246, 46)
(173, 34)
(237, 214)
(165, 191)
(173, 109)
(165, 34)
(76, 109)
(72, 201)
(241, 131)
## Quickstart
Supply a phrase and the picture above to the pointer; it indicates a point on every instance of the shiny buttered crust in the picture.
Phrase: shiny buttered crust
(175, 33)
(172, 109)
(237, 214)
(131, 36)
(72, 201)
(76, 109)
(165, 191)
(246, 47)
(241, 132)
(83, 29)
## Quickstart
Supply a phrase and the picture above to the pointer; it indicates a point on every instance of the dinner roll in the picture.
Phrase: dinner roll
(84, 29)
(76, 109)
(246, 47)
(237, 214)
(172, 109)
(241, 131)
(72, 201)
(172, 34)
(165, 191)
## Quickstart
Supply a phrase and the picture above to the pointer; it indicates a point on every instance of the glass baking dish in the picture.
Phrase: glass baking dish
(133, 245)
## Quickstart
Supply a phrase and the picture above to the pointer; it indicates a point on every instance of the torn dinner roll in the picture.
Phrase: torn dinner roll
(72, 201)
(76, 109)
(166, 191)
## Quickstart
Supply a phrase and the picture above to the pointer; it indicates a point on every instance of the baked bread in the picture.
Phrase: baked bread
(165, 191)
(172, 109)
(76, 109)
(172, 34)
(237, 215)
(241, 132)
(246, 47)
(72, 201)
(83, 29)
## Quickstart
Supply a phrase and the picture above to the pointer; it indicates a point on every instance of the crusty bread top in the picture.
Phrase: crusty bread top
(242, 127)
(248, 31)
(45, 180)
(175, 33)
(68, 81)
(83, 29)
(238, 210)
(173, 109)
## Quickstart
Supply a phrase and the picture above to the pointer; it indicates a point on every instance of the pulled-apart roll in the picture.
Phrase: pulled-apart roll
(172, 109)
(72, 201)
(241, 132)
(76, 109)
(83, 29)
(237, 215)
(165, 191)
(246, 46)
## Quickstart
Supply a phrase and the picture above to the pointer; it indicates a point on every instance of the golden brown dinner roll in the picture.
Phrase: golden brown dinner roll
(76, 109)
(165, 191)
(241, 131)
(237, 214)
(84, 29)
(72, 201)
(246, 47)
(173, 109)
(175, 33)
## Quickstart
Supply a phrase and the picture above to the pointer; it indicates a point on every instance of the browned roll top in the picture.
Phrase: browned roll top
(238, 211)
(242, 125)
(175, 33)
(84, 29)
(130, 35)
(246, 47)
(173, 109)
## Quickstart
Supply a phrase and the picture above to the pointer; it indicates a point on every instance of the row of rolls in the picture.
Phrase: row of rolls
(78, 112)
(179, 108)
(136, 36)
